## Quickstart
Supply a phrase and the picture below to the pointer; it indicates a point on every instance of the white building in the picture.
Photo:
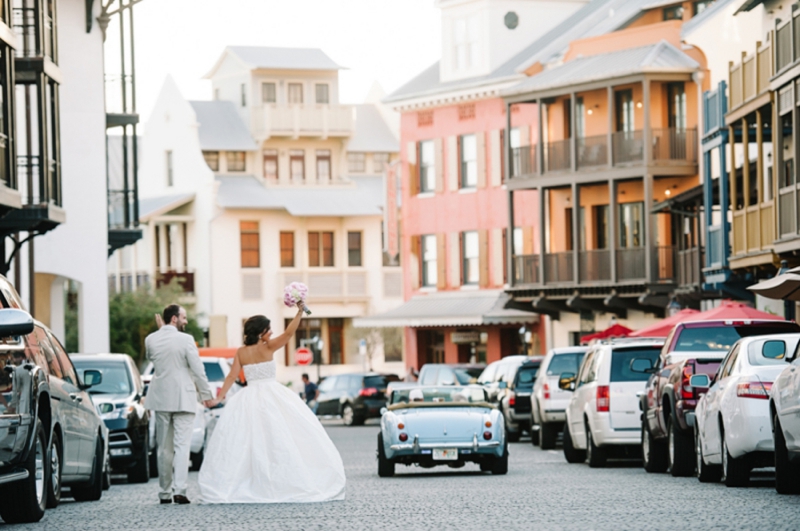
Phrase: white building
(271, 182)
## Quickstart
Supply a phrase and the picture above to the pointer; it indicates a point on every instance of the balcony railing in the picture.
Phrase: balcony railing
(8, 178)
(34, 41)
(678, 145)
(663, 261)
(303, 120)
(594, 265)
(35, 186)
(557, 155)
(331, 285)
(523, 161)
(690, 266)
(750, 77)
(786, 212)
(631, 264)
(628, 147)
(593, 151)
(184, 277)
(558, 267)
(526, 269)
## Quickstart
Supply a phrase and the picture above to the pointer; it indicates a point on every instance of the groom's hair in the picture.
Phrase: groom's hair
(173, 310)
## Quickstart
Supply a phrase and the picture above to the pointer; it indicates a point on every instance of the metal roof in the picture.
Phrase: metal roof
(450, 308)
(154, 206)
(372, 133)
(709, 12)
(364, 197)
(276, 58)
(221, 127)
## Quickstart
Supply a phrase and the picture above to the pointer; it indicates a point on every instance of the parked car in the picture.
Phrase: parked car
(498, 374)
(732, 419)
(784, 407)
(447, 425)
(353, 397)
(119, 402)
(441, 374)
(691, 348)
(515, 400)
(603, 413)
(548, 401)
(50, 432)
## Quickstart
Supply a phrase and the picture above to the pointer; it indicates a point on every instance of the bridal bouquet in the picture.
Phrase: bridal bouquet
(296, 292)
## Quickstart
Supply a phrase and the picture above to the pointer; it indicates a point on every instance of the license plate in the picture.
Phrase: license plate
(445, 454)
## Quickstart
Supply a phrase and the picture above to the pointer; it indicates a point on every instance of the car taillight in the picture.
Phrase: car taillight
(401, 426)
(754, 390)
(546, 392)
(512, 399)
(487, 435)
(687, 391)
(403, 437)
(603, 398)
(368, 391)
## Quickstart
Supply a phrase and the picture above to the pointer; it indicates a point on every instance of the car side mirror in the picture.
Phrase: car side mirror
(700, 381)
(502, 385)
(566, 381)
(15, 322)
(91, 378)
(641, 365)
(774, 349)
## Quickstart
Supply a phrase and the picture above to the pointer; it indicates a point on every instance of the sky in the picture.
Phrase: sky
(388, 41)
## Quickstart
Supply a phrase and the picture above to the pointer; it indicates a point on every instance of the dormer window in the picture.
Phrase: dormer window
(465, 33)
(236, 160)
(673, 13)
(212, 159)
(268, 93)
(295, 93)
(322, 93)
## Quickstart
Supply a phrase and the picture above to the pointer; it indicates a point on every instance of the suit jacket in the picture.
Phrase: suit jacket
(179, 375)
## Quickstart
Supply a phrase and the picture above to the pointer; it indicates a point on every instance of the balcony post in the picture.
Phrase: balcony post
(732, 180)
(540, 139)
(509, 250)
(746, 180)
(762, 196)
(576, 230)
(648, 154)
(648, 226)
(724, 200)
(507, 152)
(612, 228)
(542, 234)
(796, 147)
(573, 138)
(610, 91)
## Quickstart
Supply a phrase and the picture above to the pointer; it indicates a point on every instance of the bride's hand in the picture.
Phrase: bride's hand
(301, 306)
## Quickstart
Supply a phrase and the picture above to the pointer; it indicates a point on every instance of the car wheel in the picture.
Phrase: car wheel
(595, 455)
(547, 435)
(654, 452)
(786, 472)
(107, 474)
(54, 478)
(197, 460)
(385, 465)
(140, 473)
(348, 415)
(735, 472)
(535, 434)
(93, 490)
(681, 450)
(500, 465)
(572, 454)
(705, 473)
(24, 501)
(512, 436)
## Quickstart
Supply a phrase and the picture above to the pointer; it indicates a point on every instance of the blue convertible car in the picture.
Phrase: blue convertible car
(448, 425)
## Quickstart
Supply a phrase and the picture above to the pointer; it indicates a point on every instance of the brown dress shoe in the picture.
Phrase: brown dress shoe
(164, 502)
(181, 500)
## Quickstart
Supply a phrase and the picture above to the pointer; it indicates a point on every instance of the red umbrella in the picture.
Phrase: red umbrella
(663, 327)
(729, 310)
(616, 330)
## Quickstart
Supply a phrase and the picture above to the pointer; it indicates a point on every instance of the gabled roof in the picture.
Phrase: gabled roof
(221, 127)
(748, 5)
(372, 133)
(708, 13)
(276, 58)
(156, 206)
(659, 57)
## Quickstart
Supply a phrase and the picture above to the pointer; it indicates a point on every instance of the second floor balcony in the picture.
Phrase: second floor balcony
(34, 22)
(295, 121)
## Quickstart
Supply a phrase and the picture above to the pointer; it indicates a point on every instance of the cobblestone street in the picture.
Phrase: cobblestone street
(541, 491)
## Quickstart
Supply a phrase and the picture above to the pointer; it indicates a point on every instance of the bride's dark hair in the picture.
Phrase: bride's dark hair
(254, 328)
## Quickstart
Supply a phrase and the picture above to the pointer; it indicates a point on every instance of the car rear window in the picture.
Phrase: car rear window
(378, 382)
(722, 338)
(567, 362)
(526, 376)
(463, 376)
(214, 372)
(116, 377)
(621, 363)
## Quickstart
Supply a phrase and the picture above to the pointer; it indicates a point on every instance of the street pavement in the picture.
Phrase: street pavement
(541, 491)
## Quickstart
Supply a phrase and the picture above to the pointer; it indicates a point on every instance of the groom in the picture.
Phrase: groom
(178, 378)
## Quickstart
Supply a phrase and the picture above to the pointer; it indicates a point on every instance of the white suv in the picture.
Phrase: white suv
(785, 415)
(548, 402)
(604, 408)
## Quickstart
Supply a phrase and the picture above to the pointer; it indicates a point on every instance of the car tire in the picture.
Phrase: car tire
(535, 434)
(547, 436)
(196, 460)
(140, 472)
(654, 451)
(500, 464)
(54, 476)
(572, 454)
(107, 474)
(93, 489)
(735, 472)
(680, 450)
(786, 472)
(595, 455)
(705, 473)
(513, 436)
(153, 456)
(385, 465)
(348, 415)
(25, 501)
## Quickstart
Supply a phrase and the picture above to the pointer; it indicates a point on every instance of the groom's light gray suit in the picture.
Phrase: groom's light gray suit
(178, 378)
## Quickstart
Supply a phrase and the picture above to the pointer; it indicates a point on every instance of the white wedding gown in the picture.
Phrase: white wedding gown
(268, 447)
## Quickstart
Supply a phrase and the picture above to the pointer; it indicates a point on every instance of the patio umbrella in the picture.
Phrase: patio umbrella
(730, 310)
(782, 287)
(616, 330)
(664, 326)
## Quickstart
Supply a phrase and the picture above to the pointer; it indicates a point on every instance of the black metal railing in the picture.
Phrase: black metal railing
(35, 39)
(628, 146)
(593, 151)
(526, 269)
(558, 155)
(523, 161)
(184, 277)
(675, 144)
(120, 93)
(558, 267)
(690, 266)
(36, 186)
(594, 265)
(631, 264)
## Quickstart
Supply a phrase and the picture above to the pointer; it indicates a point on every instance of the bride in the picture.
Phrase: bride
(268, 447)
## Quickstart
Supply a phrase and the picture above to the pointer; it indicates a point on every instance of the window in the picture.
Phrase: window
(297, 164)
(287, 249)
(469, 256)
(336, 341)
(320, 249)
(624, 108)
(271, 164)
(427, 169)
(268, 93)
(323, 164)
(354, 249)
(170, 175)
(515, 142)
(631, 225)
(66, 365)
(517, 242)
(295, 93)
(580, 118)
(48, 352)
(701, 6)
(429, 260)
(673, 13)
(466, 42)
(621, 364)
(356, 162)
(212, 159)
(469, 161)
(244, 95)
(236, 160)
(379, 162)
(249, 238)
(677, 106)
(322, 93)
(601, 226)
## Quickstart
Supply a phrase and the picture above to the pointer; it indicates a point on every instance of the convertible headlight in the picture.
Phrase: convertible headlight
(118, 413)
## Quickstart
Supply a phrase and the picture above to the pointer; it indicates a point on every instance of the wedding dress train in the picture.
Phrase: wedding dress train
(268, 447)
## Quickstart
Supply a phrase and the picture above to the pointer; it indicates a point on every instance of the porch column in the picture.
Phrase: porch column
(746, 182)
(542, 234)
(708, 199)
(649, 244)
(724, 199)
(762, 196)
(647, 130)
(796, 147)
(732, 144)
(576, 231)
(610, 136)
(612, 228)
(573, 138)
(777, 164)
(540, 139)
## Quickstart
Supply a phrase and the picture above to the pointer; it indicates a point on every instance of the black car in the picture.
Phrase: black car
(119, 402)
(514, 396)
(353, 397)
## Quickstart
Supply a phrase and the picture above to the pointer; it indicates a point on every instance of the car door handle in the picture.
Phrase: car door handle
(75, 397)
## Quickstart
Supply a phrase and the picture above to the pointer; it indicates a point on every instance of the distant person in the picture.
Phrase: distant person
(416, 395)
(311, 392)
(412, 375)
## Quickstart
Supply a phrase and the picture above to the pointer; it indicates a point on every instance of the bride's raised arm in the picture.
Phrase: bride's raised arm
(230, 379)
(281, 340)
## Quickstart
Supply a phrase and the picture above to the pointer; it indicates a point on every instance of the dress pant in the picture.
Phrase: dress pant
(174, 436)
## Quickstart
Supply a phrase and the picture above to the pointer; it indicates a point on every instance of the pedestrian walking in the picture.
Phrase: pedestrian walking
(311, 392)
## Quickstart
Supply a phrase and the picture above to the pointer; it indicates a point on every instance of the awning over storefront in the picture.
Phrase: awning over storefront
(456, 308)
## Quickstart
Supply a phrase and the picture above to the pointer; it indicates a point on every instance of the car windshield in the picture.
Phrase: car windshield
(721, 338)
(621, 363)
(526, 375)
(214, 372)
(378, 382)
(567, 362)
(116, 378)
(434, 395)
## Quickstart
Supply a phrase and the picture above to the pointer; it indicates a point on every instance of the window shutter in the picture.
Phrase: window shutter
(497, 257)
(527, 240)
(524, 135)
(454, 262)
(413, 172)
(483, 258)
(439, 164)
(441, 261)
(480, 141)
(416, 258)
(460, 258)
(496, 158)
(452, 163)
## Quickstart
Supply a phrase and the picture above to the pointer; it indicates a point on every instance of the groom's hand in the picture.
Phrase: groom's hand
(211, 403)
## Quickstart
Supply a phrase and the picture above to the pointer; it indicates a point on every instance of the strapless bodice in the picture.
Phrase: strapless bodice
(265, 370)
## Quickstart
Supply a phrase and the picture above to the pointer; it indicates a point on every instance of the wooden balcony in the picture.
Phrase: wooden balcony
(185, 277)
(749, 79)
(295, 121)
(329, 285)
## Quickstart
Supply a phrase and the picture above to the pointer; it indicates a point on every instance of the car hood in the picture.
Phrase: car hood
(444, 423)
